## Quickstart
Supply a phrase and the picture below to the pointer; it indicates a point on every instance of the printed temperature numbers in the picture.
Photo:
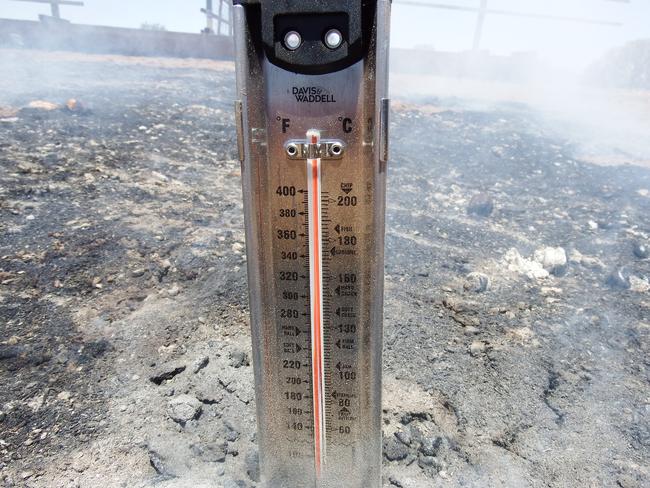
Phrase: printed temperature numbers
(290, 235)
(286, 191)
(347, 201)
(288, 212)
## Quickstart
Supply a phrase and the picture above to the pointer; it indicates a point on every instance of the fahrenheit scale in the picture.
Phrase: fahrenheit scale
(312, 120)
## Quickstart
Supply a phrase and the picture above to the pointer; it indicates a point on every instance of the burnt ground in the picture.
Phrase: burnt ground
(124, 343)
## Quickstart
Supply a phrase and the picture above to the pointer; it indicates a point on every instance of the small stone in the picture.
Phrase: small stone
(431, 465)
(552, 259)
(531, 268)
(200, 363)
(212, 453)
(476, 348)
(471, 330)
(592, 263)
(173, 291)
(476, 282)
(26, 474)
(253, 465)
(136, 273)
(394, 481)
(627, 481)
(639, 285)
(239, 359)
(74, 105)
(430, 446)
(592, 225)
(404, 436)
(481, 205)
(166, 372)
(63, 396)
(3, 416)
(640, 250)
(619, 279)
(232, 433)
(43, 105)
(158, 463)
(394, 450)
(184, 408)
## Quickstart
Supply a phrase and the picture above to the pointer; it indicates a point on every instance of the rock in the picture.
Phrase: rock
(627, 481)
(184, 408)
(136, 273)
(212, 453)
(404, 436)
(476, 348)
(531, 269)
(63, 396)
(394, 450)
(481, 205)
(232, 433)
(471, 330)
(619, 279)
(476, 282)
(639, 285)
(253, 465)
(200, 363)
(592, 263)
(640, 250)
(42, 105)
(166, 372)
(430, 446)
(173, 290)
(10, 352)
(430, 464)
(394, 481)
(3, 416)
(74, 105)
(239, 359)
(158, 463)
(8, 112)
(209, 393)
(552, 259)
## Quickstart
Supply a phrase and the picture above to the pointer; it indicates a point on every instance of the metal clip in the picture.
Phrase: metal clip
(325, 149)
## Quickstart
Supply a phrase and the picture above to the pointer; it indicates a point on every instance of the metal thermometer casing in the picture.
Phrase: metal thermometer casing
(313, 142)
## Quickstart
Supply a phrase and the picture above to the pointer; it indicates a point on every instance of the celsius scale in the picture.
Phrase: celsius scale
(312, 121)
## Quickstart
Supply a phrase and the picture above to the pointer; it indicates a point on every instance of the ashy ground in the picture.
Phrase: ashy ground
(517, 296)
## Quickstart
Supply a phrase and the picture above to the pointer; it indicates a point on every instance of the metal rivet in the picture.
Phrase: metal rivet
(292, 40)
(292, 150)
(333, 38)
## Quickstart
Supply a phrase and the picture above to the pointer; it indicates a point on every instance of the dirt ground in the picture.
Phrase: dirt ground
(124, 341)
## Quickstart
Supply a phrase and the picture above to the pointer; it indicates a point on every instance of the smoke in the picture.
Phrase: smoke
(610, 124)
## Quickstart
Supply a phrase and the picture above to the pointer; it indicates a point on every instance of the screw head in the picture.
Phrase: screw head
(292, 150)
(333, 38)
(292, 40)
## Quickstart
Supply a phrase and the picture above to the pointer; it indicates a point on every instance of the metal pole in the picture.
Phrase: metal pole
(230, 18)
(220, 17)
(478, 32)
(55, 10)
(208, 17)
